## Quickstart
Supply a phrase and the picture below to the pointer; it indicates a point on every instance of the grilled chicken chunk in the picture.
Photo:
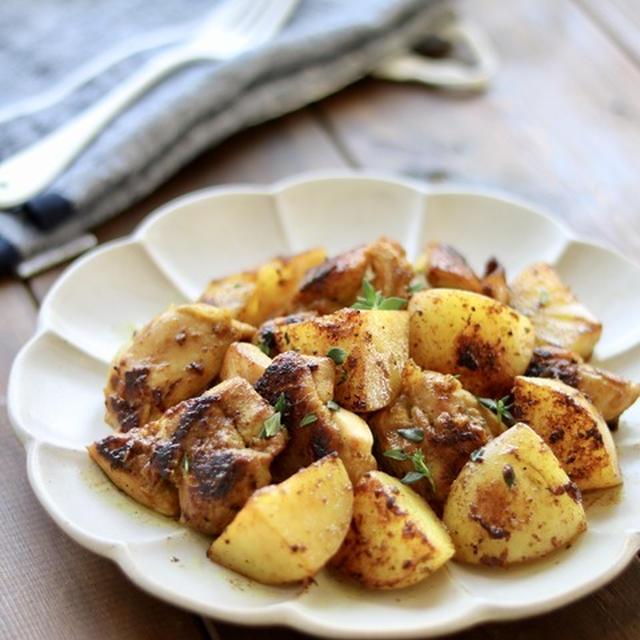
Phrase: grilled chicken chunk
(436, 417)
(175, 356)
(312, 431)
(201, 460)
(610, 393)
(306, 383)
(336, 283)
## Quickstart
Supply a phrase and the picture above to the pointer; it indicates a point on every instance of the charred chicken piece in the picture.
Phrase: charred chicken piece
(313, 433)
(337, 282)
(433, 416)
(610, 393)
(175, 356)
(201, 460)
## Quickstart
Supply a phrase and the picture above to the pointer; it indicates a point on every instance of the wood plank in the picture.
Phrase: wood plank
(558, 126)
(620, 19)
(260, 155)
(51, 587)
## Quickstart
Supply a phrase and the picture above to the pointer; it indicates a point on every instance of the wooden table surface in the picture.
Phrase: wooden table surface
(560, 126)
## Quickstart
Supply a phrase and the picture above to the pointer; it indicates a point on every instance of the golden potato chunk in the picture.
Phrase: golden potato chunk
(482, 340)
(288, 531)
(369, 347)
(395, 539)
(253, 297)
(512, 502)
(557, 315)
(572, 427)
(610, 393)
(175, 356)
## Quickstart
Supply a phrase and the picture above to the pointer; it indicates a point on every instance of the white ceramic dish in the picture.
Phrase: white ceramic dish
(55, 393)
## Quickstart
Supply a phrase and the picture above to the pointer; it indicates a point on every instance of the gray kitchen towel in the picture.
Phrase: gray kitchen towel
(326, 45)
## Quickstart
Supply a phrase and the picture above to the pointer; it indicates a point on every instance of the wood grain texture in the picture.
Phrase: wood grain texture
(558, 126)
(620, 19)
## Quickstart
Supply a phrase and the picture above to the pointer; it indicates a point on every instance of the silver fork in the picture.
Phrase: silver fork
(232, 28)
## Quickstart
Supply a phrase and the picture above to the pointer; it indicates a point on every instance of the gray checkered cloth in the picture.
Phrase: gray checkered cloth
(327, 45)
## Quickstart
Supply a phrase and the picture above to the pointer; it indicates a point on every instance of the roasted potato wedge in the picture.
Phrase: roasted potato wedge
(459, 332)
(253, 297)
(512, 502)
(373, 345)
(557, 315)
(395, 539)
(175, 356)
(572, 427)
(287, 532)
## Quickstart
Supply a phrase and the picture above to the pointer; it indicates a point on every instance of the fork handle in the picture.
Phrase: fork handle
(33, 169)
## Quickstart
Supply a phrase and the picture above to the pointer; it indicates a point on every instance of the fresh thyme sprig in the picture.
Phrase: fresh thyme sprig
(502, 408)
(420, 467)
(373, 299)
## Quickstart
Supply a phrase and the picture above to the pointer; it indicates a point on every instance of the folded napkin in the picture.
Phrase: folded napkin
(326, 45)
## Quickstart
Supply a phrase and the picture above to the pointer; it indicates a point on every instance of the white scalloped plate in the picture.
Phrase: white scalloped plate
(55, 393)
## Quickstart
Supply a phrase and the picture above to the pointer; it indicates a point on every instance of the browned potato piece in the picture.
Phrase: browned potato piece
(512, 502)
(375, 346)
(444, 267)
(557, 315)
(434, 415)
(245, 360)
(572, 427)
(610, 393)
(459, 332)
(395, 539)
(337, 283)
(256, 296)
(175, 356)
(288, 531)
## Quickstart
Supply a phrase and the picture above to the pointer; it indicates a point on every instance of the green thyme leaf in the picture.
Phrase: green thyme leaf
(420, 465)
(308, 419)
(271, 426)
(333, 406)
(392, 304)
(280, 404)
(544, 298)
(370, 294)
(476, 456)
(418, 286)
(396, 454)
(337, 354)
(414, 434)
(262, 345)
(186, 464)
(411, 477)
